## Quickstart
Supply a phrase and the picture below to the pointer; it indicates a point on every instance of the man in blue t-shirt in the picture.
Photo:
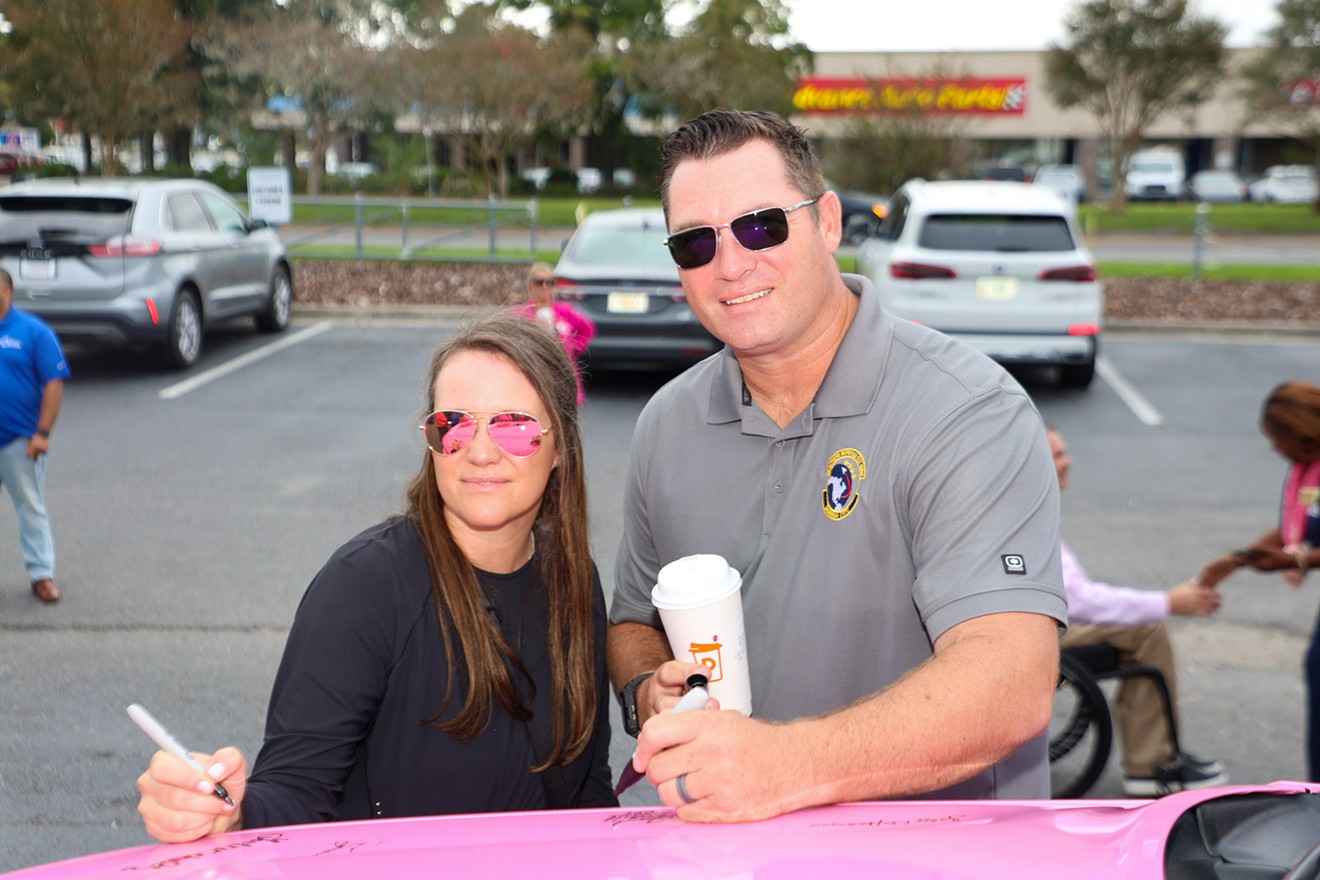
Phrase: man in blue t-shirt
(32, 374)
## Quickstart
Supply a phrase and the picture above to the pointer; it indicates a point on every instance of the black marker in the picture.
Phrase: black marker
(693, 700)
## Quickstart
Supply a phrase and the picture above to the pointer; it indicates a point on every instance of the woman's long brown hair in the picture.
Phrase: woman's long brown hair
(562, 546)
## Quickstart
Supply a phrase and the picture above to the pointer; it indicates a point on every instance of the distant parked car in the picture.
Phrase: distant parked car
(1063, 180)
(617, 270)
(1216, 186)
(1285, 184)
(356, 170)
(589, 180)
(1015, 173)
(141, 261)
(1155, 175)
(997, 264)
(12, 162)
(68, 154)
(862, 214)
(537, 177)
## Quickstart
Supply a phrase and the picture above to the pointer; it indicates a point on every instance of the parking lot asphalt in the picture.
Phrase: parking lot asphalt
(189, 526)
(455, 315)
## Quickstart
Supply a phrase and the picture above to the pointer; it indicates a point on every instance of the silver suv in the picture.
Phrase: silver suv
(141, 261)
(999, 265)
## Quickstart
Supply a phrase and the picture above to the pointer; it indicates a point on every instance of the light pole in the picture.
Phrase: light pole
(1198, 239)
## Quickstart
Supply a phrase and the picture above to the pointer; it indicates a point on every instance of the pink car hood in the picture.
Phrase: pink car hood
(926, 839)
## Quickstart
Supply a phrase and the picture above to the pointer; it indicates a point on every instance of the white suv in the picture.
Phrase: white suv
(998, 265)
(1285, 184)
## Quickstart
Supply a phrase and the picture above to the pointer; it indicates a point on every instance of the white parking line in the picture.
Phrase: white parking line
(1140, 407)
(192, 384)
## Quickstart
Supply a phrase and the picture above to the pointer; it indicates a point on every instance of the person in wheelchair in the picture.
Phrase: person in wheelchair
(1131, 621)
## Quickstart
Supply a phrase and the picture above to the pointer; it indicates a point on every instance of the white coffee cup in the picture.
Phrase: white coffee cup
(700, 603)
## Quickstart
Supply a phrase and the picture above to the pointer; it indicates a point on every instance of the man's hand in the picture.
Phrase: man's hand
(733, 766)
(1192, 598)
(658, 694)
(37, 446)
(987, 690)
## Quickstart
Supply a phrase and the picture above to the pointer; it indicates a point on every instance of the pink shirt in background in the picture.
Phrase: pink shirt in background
(574, 328)
(1095, 602)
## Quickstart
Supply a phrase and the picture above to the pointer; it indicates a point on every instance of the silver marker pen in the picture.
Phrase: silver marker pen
(162, 737)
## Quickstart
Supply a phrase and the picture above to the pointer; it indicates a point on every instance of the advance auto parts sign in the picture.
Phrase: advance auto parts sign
(996, 97)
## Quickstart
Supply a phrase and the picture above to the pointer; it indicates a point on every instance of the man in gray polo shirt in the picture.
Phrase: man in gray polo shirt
(886, 493)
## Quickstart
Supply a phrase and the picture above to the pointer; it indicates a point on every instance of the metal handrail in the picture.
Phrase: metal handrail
(489, 217)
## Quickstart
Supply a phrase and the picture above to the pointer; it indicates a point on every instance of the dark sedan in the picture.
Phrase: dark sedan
(862, 214)
(617, 270)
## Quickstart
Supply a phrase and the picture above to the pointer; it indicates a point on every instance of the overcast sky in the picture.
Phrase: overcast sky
(963, 25)
(967, 25)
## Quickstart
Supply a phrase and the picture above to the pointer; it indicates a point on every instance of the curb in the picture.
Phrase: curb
(432, 315)
(1211, 328)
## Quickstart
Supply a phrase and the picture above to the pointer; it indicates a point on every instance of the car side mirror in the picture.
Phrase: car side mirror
(254, 225)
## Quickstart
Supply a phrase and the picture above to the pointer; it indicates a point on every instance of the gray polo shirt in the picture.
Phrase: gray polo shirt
(914, 493)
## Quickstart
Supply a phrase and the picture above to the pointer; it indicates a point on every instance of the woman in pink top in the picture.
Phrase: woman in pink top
(574, 328)
(1290, 419)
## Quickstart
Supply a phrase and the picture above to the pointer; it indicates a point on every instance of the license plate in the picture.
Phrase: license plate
(627, 303)
(36, 270)
(996, 288)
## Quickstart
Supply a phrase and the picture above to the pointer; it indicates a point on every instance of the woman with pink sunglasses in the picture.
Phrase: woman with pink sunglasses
(451, 658)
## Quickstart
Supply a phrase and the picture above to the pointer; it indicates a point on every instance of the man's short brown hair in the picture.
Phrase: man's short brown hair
(717, 132)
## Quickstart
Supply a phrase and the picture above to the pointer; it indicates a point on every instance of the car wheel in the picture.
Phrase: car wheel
(183, 343)
(1077, 375)
(279, 307)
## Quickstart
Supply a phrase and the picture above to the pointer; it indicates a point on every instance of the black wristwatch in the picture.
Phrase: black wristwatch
(628, 703)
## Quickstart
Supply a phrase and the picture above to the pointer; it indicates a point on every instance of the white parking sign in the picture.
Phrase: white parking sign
(269, 195)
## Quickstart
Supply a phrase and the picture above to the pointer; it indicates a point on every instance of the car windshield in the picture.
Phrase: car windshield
(1153, 166)
(66, 217)
(641, 246)
(996, 232)
(1056, 177)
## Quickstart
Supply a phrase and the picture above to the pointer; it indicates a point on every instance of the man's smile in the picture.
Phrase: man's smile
(737, 301)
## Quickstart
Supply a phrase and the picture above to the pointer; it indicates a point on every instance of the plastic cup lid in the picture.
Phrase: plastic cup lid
(693, 581)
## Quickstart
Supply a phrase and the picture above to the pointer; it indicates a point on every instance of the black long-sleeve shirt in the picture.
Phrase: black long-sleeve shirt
(364, 666)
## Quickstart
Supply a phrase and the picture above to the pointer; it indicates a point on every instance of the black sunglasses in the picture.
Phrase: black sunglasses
(757, 231)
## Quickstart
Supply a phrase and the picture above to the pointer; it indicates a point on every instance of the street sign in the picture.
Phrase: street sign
(270, 195)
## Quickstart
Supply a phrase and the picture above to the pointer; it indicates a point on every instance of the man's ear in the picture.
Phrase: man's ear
(830, 211)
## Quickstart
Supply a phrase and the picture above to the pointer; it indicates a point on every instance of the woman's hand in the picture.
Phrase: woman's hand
(1254, 557)
(1217, 569)
(179, 805)
(1272, 560)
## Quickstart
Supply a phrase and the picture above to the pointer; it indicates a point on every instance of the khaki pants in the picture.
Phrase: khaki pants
(1143, 729)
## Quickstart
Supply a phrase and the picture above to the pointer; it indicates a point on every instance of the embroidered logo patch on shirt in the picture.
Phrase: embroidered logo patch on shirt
(844, 471)
(1013, 564)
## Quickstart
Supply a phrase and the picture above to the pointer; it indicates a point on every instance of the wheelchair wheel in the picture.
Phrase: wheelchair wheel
(1081, 732)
